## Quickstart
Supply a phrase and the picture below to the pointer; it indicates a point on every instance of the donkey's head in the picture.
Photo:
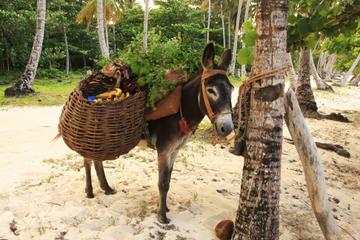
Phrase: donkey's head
(216, 91)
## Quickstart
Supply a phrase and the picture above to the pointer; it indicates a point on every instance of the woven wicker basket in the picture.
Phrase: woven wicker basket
(101, 131)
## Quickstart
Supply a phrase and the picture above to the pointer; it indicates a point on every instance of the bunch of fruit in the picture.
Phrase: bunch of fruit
(113, 95)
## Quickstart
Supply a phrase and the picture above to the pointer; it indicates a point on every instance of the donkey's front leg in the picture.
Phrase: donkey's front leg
(88, 188)
(165, 164)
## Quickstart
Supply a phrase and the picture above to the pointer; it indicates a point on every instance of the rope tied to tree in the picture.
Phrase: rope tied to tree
(242, 95)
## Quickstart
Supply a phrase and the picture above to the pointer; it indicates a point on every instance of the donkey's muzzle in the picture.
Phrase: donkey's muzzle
(224, 125)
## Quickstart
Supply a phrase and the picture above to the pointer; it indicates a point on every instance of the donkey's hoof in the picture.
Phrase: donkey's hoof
(110, 191)
(90, 195)
(163, 219)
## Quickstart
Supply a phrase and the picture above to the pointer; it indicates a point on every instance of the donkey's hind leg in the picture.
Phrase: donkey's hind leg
(88, 188)
(102, 179)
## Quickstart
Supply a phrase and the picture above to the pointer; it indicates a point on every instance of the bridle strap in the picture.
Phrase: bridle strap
(204, 76)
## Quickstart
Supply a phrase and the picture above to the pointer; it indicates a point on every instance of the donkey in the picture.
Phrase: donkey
(208, 92)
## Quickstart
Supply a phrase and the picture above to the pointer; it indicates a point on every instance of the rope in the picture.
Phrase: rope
(242, 93)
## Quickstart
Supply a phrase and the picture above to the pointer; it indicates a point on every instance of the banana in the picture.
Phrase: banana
(127, 94)
(118, 91)
(106, 95)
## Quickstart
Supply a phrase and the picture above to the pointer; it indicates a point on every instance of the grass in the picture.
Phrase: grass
(48, 91)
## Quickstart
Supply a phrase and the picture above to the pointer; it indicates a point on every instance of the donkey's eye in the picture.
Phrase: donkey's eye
(211, 91)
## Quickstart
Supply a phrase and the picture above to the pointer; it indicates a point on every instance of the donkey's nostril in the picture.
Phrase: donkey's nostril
(222, 129)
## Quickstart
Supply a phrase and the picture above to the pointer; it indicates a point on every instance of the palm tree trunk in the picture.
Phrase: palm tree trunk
(208, 25)
(146, 16)
(233, 59)
(222, 23)
(100, 22)
(243, 67)
(258, 212)
(355, 80)
(65, 41)
(319, 82)
(229, 31)
(291, 73)
(349, 73)
(107, 35)
(25, 82)
(114, 37)
(304, 93)
(329, 67)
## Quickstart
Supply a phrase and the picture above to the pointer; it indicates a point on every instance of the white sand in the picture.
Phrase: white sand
(42, 184)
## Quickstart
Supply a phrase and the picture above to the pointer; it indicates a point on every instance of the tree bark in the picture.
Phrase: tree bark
(233, 59)
(243, 67)
(355, 80)
(329, 67)
(313, 169)
(222, 23)
(67, 67)
(349, 73)
(304, 93)
(319, 82)
(107, 35)
(229, 31)
(208, 25)
(100, 21)
(321, 64)
(25, 82)
(258, 212)
(114, 38)
(146, 17)
(291, 73)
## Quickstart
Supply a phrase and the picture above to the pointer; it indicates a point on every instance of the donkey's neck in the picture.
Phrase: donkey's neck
(190, 102)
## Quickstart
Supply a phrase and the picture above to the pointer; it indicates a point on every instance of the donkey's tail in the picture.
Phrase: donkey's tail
(56, 138)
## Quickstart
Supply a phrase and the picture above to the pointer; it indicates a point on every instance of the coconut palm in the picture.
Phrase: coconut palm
(25, 82)
(146, 18)
(112, 10)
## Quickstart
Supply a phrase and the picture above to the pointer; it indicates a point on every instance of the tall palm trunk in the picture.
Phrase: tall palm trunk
(229, 31)
(258, 212)
(146, 17)
(304, 93)
(349, 73)
(233, 59)
(222, 23)
(208, 25)
(114, 37)
(100, 21)
(320, 84)
(243, 67)
(25, 82)
(65, 41)
(107, 35)
(291, 73)
(329, 66)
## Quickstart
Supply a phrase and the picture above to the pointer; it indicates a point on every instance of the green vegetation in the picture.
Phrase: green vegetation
(49, 91)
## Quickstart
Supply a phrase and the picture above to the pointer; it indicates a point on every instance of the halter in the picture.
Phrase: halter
(204, 76)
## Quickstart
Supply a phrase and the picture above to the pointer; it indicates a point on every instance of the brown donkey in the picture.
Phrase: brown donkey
(208, 92)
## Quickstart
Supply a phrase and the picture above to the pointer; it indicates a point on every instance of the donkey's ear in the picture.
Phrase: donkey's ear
(225, 60)
(207, 59)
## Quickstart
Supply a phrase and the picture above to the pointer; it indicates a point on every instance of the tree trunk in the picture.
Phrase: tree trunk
(222, 23)
(329, 67)
(25, 82)
(243, 67)
(146, 17)
(233, 59)
(65, 41)
(229, 31)
(100, 22)
(291, 73)
(304, 93)
(319, 82)
(114, 37)
(355, 80)
(321, 64)
(107, 36)
(208, 25)
(313, 169)
(258, 211)
(349, 73)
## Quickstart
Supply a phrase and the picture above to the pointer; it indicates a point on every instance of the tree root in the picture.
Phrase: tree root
(328, 146)
(332, 116)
